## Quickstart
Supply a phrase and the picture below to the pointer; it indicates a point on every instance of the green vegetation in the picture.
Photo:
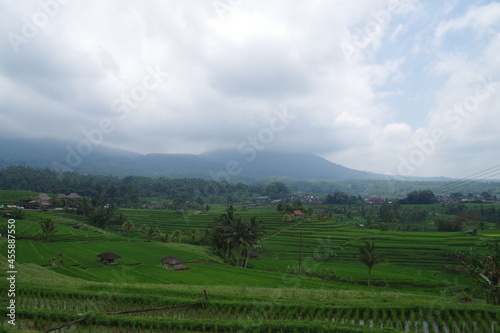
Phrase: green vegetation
(420, 283)
(232, 239)
(485, 270)
(48, 228)
(369, 256)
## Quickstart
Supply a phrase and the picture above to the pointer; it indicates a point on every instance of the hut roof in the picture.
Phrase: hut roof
(108, 255)
(73, 196)
(170, 260)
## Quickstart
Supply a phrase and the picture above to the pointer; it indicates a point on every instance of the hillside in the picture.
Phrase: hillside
(411, 290)
(216, 165)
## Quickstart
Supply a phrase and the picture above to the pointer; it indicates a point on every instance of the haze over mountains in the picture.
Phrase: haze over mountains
(218, 165)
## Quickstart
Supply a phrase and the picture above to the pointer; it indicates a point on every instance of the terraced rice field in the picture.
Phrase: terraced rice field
(415, 257)
(412, 292)
(227, 311)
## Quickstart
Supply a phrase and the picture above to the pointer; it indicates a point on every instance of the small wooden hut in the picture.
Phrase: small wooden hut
(109, 258)
(171, 262)
(254, 255)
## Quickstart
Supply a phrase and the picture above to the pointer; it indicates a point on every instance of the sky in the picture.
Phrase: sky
(399, 87)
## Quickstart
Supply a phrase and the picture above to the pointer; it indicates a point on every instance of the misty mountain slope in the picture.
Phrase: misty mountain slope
(217, 164)
(44, 153)
(302, 166)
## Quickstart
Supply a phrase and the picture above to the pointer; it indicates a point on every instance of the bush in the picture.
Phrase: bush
(448, 224)
(18, 214)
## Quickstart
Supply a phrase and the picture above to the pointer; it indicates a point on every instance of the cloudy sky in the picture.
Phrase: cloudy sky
(397, 87)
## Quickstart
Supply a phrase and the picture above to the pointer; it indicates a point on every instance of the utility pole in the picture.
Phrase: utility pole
(300, 250)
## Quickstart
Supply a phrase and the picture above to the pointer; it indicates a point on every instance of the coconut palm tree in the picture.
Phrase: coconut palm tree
(177, 234)
(256, 229)
(48, 228)
(85, 206)
(120, 219)
(128, 225)
(150, 233)
(237, 234)
(192, 233)
(368, 256)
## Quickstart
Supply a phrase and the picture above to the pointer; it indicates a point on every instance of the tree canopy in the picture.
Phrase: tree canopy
(419, 197)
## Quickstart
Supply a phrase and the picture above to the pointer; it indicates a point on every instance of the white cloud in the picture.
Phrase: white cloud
(479, 18)
(228, 74)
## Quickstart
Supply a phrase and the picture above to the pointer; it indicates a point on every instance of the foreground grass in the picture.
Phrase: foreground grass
(46, 298)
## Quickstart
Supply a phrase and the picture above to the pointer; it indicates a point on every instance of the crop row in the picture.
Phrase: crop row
(40, 305)
(421, 321)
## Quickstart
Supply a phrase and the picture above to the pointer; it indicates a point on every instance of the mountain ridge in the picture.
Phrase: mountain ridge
(224, 164)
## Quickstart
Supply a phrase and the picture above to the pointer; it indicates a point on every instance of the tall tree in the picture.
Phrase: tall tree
(237, 234)
(120, 219)
(369, 256)
(256, 229)
(151, 233)
(85, 206)
(193, 233)
(177, 235)
(128, 225)
(48, 228)
(230, 237)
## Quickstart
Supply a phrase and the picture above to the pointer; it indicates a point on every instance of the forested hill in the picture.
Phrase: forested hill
(229, 165)
(127, 191)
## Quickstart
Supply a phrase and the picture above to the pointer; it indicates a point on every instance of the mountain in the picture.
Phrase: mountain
(298, 166)
(228, 165)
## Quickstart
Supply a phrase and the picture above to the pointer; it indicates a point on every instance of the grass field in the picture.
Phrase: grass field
(414, 258)
(412, 291)
(11, 197)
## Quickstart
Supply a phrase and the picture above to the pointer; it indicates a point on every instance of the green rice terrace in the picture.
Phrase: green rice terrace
(418, 287)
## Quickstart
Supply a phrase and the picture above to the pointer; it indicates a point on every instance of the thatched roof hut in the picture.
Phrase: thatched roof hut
(171, 262)
(108, 258)
(254, 255)
(73, 196)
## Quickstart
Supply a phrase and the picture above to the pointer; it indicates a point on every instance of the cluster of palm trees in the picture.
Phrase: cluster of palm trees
(232, 238)
(152, 233)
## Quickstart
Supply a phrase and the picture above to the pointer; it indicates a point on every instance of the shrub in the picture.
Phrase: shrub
(448, 224)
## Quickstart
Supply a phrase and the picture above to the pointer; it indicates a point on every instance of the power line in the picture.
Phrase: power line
(475, 177)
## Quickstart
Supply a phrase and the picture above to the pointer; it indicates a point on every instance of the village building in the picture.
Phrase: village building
(108, 258)
(33, 204)
(42, 197)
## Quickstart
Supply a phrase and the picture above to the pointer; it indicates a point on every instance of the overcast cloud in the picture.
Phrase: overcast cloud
(397, 87)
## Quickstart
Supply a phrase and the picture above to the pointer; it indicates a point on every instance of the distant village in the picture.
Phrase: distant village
(43, 201)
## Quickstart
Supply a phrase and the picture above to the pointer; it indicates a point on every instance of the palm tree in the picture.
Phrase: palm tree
(150, 233)
(256, 229)
(369, 257)
(192, 233)
(177, 234)
(236, 234)
(85, 206)
(48, 228)
(120, 219)
(128, 225)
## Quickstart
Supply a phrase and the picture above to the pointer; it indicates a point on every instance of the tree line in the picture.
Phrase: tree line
(126, 191)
